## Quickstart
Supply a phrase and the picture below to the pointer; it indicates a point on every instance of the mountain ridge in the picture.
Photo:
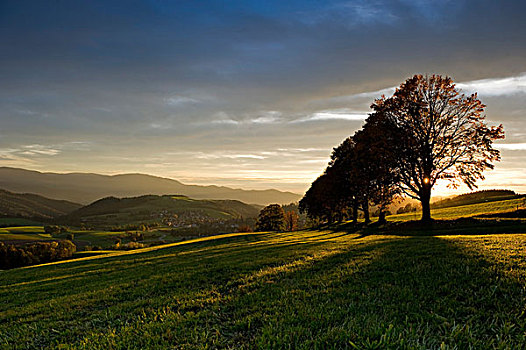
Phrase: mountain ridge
(86, 188)
(33, 206)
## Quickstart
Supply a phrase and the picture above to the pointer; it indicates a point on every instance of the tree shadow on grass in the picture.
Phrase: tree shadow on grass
(411, 292)
(418, 292)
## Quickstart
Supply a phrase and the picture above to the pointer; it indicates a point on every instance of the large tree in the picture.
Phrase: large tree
(366, 167)
(442, 135)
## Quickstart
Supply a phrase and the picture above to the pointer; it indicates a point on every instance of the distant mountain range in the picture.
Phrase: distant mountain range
(85, 187)
(32, 206)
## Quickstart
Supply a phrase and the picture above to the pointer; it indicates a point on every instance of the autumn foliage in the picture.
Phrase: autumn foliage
(426, 132)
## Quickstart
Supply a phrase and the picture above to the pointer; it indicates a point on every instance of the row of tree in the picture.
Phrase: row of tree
(12, 256)
(426, 132)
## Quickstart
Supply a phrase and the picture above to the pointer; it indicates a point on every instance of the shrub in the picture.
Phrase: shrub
(132, 245)
(244, 228)
(54, 229)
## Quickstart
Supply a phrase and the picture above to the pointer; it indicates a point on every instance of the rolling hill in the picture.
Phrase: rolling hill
(32, 206)
(85, 188)
(120, 211)
(476, 197)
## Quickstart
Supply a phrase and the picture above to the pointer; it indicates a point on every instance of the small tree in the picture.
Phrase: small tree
(271, 218)
(291, 220)
(443, 135)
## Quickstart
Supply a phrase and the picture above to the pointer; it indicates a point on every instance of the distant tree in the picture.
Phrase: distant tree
(406, 209)
(443, 135)
(271, 218)
(55, 229)
(295, 208)
(244, 228)
(291, 220)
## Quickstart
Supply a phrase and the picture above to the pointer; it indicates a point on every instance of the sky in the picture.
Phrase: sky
(247, 94)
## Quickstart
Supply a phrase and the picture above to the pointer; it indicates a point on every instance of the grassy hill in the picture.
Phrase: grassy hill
(469, 210)
(32, 206)
(85, 188)
(309, 289)
(476, 197)
(113, 211)
(350, 287)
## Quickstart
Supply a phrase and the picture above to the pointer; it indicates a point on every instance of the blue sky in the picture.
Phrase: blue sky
(250, 94)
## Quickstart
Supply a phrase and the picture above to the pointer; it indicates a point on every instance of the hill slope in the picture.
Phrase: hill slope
(32, 206)
(310, 289)
(120, 211)
(476, 197)
(85, 188)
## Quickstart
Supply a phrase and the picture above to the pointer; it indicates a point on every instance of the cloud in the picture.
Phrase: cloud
(341, 114)
(178, 100)
(38, 150)
(265, 117)
(512, 146)
(227, 155)
(496, 86)
(512, 85)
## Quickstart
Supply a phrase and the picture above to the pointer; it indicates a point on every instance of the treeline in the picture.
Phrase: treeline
(362, 171)
(12, 256)
(426, 132)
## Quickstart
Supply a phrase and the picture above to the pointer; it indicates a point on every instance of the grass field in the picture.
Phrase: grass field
(309, 289)
(18, 222)
(22, 229)
(465, 210)
(23, 233)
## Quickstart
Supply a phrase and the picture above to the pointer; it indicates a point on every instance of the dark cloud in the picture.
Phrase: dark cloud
(147, 76)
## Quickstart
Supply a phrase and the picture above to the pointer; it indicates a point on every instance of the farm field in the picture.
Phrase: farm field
(101, 239)
(23, 233)
(308, 289)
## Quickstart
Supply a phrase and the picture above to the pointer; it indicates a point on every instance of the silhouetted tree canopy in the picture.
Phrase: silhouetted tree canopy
(325, 200)
(271, 218)
(425, 132)
(443, 135)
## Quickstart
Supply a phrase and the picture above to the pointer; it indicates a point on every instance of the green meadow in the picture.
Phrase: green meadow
(308, 289)
(454, 285)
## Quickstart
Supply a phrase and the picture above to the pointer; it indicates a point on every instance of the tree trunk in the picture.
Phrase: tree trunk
(425, 198)
(381, 217)
(355, 211)
(365, 207)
